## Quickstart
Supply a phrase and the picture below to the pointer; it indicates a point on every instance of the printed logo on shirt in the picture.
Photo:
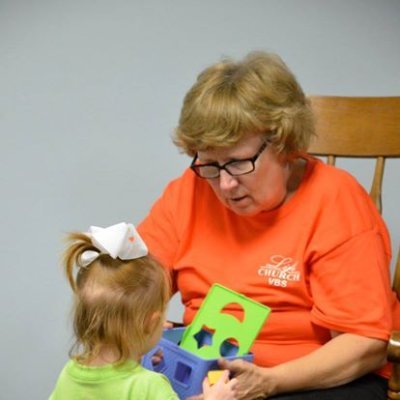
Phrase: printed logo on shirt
(280, 271)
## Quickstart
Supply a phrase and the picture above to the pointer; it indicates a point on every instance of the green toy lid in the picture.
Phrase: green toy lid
(227, 323)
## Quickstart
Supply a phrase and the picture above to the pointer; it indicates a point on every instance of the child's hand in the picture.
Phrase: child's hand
(157, 357)
(172, 324)
(223, 389)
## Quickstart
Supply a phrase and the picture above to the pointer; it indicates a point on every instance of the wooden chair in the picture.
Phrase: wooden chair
(363, 127)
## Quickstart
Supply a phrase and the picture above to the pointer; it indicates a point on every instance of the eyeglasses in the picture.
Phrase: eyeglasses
(233, 167)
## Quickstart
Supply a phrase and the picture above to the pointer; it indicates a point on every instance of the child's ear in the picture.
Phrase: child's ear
(153, 322)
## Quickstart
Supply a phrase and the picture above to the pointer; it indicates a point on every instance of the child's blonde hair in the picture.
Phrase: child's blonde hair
(113, 300)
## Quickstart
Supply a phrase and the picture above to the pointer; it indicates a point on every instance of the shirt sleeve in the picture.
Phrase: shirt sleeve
(351, 287)
(158, 229)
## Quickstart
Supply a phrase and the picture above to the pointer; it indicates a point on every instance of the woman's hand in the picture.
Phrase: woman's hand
(342, 359)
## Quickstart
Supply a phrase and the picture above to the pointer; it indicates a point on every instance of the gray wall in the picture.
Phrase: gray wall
(90, 92)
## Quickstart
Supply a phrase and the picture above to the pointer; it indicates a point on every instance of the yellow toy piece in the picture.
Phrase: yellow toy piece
(213, 376)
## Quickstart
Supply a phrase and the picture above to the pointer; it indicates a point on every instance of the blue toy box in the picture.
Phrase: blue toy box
(185, 370)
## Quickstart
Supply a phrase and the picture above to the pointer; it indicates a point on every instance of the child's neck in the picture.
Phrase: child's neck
(106, 356)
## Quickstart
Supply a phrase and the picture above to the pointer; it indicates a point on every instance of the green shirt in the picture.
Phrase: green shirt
(125, 382)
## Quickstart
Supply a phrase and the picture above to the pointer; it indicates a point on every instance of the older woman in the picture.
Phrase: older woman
(256, 213)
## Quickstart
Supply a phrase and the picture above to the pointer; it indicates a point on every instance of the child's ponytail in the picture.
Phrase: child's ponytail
(78, 243)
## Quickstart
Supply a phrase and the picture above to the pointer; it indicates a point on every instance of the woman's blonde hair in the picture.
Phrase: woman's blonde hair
(113, 300)
(257, 95)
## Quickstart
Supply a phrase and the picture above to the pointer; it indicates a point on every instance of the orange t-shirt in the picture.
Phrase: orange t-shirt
(320, 261)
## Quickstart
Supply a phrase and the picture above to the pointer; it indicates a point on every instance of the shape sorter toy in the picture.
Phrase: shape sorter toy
(185, 370)
(189, 354)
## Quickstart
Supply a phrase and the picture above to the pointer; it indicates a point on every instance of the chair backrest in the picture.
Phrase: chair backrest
(359, 127)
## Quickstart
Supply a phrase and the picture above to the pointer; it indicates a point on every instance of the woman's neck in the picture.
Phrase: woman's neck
(297, 171)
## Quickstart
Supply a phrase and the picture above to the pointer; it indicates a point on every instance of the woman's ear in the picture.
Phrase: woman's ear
(153, 322)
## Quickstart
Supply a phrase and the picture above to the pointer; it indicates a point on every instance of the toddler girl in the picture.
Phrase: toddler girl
(120, 298)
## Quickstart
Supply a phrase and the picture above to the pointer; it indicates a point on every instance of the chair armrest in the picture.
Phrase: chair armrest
(394, 357)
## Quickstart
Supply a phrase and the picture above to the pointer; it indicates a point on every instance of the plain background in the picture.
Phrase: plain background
(90, 92)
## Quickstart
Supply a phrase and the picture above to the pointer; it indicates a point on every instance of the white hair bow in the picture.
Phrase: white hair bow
(118, 241)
